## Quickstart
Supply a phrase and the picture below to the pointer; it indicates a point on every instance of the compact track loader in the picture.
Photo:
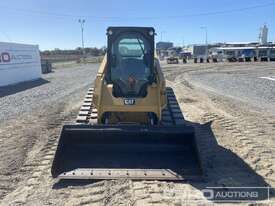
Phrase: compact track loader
(130, 124)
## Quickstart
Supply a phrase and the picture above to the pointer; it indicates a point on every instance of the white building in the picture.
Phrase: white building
(263, 35)
(19, 63)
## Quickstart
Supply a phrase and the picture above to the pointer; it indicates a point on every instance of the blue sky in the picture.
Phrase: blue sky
(54, 23)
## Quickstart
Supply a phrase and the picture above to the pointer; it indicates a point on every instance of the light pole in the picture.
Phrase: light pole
(206, 41)
(82, 21)
(161, 35)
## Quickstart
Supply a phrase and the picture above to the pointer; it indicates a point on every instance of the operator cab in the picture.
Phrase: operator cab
(130, 57)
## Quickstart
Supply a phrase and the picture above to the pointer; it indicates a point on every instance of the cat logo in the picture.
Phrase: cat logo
(129, 101)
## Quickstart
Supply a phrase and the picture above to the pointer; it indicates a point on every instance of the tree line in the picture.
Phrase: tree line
(92, 51)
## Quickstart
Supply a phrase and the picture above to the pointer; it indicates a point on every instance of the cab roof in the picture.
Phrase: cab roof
(130, 28)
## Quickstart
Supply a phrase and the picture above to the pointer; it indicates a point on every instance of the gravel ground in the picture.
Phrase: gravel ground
(235, 140)
(245, 85)
(46, 91)
(29, 112)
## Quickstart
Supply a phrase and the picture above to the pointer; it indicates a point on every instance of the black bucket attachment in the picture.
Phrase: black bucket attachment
(133, 152)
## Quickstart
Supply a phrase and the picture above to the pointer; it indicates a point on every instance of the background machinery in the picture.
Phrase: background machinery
(130, 124)
(172, 60)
